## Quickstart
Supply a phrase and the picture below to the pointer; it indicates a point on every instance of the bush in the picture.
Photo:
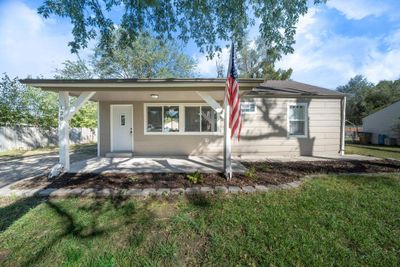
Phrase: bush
(195, 177)
(251, 172)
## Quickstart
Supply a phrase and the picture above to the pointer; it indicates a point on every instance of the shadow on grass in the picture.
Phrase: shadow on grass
(126, 211)
(13, 212)
(199, 200)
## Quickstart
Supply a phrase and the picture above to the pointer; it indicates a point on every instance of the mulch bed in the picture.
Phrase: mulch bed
(262, 173)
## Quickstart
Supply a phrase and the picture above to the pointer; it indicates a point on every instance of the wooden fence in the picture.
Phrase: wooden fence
(26, 137)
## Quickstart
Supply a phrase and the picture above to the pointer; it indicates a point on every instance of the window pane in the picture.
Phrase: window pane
(297, 112)
(208, 120)
(154, 119)
(122, 120)
(297, 128)
(192, 119)
(171, 119)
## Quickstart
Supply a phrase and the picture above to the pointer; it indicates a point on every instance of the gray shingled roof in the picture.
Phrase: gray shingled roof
(276, 87)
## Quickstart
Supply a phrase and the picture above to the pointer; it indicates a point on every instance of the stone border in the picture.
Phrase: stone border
(135, 192)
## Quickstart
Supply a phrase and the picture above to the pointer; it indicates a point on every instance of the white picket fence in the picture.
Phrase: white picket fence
(26, 137)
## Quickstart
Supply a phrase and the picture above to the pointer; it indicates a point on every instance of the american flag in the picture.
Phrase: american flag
(232, 96)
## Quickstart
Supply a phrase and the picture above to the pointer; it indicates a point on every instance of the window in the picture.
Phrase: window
(122, 120)
(154, 119)
(192, 119)
(248, 107)
(180, 119)
(200, 119)
(297, 120)
(171, 119)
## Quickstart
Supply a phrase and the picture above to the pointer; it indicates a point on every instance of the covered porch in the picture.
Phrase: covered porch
(127, 129)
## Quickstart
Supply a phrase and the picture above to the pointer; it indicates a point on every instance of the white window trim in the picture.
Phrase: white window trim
(181, 119)
(249, 112)
(305, 105)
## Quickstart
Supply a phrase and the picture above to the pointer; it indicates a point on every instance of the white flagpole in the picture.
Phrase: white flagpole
(227, 131)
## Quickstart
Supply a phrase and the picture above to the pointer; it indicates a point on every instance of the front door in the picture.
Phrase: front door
(121, 128)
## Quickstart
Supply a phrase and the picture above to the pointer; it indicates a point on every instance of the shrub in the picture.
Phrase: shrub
(195, 177)
(251, 172)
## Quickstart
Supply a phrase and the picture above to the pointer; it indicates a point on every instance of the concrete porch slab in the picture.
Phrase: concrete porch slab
(153, 165)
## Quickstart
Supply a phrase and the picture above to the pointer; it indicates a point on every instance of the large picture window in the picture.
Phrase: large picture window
(297, 120)
(181, 119)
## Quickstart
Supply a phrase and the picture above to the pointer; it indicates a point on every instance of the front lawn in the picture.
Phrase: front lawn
(332, 220)
(374, 150)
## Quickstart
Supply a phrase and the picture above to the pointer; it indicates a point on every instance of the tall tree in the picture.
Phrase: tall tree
(205, 22)
(255, 60)
(356, 91)
(146, 57)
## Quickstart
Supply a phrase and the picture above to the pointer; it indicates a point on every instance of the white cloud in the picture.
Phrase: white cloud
(359, 9)
(30, 44)
(323, 57)
(208, 68)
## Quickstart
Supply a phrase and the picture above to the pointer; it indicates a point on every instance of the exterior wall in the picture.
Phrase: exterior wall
(264, 133)
(381, 122)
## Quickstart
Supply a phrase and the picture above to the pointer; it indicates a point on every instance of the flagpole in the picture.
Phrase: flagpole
(227, 143)
(227, 129)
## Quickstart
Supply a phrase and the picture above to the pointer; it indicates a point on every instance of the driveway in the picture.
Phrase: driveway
(13, 169)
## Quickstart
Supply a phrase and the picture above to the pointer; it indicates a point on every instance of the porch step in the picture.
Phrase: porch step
(119, 155)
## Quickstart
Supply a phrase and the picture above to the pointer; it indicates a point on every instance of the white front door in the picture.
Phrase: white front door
(121, 128)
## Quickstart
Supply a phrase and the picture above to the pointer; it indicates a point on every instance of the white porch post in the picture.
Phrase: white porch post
(63, 129)
(227, 143)
(343, 127)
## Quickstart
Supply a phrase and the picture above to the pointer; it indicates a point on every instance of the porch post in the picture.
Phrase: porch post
(343, 126)
(227, 143)
(63, 129)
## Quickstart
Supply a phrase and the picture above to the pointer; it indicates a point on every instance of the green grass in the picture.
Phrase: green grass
(45, 150)
(331, 220)
(374, 151)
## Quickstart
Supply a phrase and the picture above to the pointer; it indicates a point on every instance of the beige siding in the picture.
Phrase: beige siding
(381, 122)
(264, 133)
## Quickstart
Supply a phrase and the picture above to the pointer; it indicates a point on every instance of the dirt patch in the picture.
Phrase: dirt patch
(265, 172)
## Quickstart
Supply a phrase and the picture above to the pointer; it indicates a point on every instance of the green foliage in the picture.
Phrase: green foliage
(145, 57)
(204, 22)
(78, 69)
(364, 98)
(251, 172)
(22, 105)
(257, 61)
(195, 177)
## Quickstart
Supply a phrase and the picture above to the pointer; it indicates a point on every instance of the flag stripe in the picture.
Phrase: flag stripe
(233, 97)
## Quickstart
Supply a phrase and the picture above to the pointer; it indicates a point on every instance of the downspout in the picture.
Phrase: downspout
(342, 126)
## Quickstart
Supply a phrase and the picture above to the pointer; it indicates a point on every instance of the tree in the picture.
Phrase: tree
(146, 57)
(205, 22)
(256, 61)
(365, 98)
(78, 69)
(356, 91)
(23, 105)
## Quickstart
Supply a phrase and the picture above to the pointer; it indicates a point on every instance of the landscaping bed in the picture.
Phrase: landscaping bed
(259, 173)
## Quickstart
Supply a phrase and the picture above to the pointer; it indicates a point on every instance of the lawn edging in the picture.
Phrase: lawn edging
(146, 192)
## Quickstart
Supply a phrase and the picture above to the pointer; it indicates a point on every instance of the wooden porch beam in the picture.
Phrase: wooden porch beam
(212, 103)
(82, 99)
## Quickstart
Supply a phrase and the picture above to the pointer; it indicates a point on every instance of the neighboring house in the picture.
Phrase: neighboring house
(183, 116)
(382, 122)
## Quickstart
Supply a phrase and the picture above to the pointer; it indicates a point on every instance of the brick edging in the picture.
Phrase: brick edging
(136, 192)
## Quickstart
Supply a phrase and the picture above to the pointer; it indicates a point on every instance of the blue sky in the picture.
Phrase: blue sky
(334, 42)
